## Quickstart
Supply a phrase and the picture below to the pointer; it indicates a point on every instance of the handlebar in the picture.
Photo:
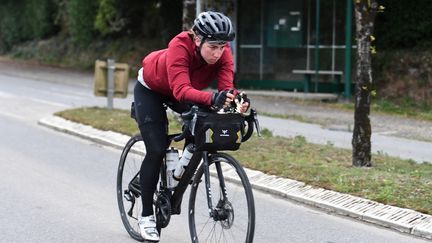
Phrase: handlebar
(190, 118)
(252, 119)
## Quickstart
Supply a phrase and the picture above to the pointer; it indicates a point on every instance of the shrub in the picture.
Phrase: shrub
(11, 29)
(25, 20)
(38, 18)
(404, 24)
(106, 21)
(81, 18)
(404, 74)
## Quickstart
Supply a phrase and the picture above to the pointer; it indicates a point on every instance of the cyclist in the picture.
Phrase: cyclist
(174, 76)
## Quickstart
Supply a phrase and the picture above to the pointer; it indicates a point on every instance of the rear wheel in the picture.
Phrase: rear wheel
(128, 187)
(232, 218)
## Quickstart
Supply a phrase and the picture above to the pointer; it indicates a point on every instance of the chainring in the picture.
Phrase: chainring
(163, 210)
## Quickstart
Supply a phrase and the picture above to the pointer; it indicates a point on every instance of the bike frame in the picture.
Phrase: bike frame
(184, 182)
(176, 195)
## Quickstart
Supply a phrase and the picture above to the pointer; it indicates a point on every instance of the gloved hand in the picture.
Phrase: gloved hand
(245, 98)
(242, 102)
(218, 100)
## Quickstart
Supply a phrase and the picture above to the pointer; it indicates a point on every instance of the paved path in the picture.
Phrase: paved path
(401, 219)
(398, 147)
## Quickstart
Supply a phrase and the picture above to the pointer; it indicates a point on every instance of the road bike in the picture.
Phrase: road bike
(221, 202)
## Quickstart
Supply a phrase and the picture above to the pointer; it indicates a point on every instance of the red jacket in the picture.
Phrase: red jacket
(180, 72)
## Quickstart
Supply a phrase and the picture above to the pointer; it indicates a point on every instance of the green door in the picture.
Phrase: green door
(284, 23)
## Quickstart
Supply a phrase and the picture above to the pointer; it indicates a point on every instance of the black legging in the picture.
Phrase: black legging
(153, 124)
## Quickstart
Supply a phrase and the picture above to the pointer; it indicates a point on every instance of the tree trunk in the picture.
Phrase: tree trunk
(365, 12)
(189, 12)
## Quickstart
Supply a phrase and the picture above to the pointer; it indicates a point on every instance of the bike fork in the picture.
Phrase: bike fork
(212, 212)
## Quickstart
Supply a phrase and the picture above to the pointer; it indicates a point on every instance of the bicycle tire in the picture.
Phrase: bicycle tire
(129, 165)
(204, 228)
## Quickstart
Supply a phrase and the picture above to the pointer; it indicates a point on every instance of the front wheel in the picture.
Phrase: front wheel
(128, 188)
(232, 217)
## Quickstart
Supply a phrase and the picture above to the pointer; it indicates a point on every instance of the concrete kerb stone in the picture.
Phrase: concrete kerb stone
(107, 138)
(401, 219)
(423, 229)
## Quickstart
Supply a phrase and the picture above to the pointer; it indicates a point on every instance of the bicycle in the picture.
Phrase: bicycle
(215, 206)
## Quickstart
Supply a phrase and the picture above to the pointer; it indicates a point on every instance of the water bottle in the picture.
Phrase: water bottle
(171, 161)
(184, 161)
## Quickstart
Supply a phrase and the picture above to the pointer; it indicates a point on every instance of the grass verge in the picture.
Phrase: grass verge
(392, 181)
(403, 107)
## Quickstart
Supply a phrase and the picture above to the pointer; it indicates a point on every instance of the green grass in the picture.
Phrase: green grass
(406, 107)
(392, 181)
(109, 120)
(400, 107)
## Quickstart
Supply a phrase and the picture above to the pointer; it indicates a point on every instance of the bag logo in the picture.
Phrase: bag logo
(224, 133)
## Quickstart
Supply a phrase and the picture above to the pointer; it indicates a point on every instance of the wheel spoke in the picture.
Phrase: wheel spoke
(233, 219)
(129, 165)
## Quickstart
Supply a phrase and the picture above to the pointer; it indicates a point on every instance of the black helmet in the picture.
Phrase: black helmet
(214, 26)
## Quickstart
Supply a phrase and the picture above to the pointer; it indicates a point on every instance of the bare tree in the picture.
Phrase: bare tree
(189, 12)
(365, 12)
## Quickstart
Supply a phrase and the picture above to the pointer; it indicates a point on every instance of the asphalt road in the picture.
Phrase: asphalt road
(58, 188)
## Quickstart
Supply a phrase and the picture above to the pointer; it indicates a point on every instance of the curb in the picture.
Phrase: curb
(400, 219)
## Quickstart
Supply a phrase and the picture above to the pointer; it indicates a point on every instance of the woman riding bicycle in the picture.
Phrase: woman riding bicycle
(174, 76)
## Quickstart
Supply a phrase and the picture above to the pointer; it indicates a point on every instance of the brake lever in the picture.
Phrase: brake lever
(193, 123)
(256, 122)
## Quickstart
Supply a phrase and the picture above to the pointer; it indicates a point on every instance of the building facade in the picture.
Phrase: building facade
(298, 45)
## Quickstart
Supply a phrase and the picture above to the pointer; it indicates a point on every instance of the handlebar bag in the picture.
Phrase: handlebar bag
(215, 132)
